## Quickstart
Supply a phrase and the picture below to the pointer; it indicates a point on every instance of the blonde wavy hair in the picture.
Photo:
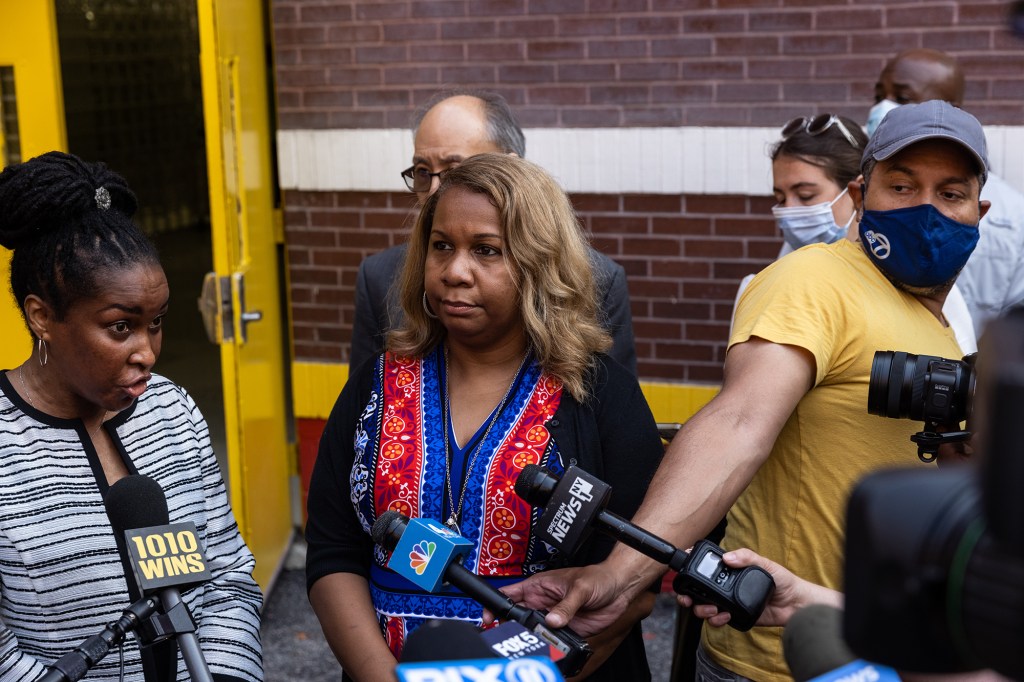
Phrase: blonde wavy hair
(547, 254)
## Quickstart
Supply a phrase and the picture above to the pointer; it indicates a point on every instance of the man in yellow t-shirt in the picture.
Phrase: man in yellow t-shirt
(789, 433)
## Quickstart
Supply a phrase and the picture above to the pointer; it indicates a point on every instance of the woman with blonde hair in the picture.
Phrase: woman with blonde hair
(499, 364)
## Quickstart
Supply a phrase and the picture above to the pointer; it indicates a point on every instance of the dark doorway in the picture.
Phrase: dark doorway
(132, 99)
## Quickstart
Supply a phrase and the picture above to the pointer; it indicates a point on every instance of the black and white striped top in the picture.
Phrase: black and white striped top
(61, 576)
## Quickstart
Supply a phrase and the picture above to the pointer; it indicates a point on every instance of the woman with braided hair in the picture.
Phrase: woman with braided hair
(85, 410)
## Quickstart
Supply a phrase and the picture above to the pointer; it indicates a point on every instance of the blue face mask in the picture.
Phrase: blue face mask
(917, 246)
(803, 225)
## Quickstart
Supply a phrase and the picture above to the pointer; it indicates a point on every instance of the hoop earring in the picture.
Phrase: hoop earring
(426, 308)
(42, 354)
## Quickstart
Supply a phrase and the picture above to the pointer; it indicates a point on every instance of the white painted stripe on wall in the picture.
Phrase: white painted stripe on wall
(598, 160)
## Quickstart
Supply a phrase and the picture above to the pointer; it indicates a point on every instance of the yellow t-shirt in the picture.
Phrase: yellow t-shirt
(833, 302)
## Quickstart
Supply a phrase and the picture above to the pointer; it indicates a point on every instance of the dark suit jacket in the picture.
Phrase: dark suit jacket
(377, 310)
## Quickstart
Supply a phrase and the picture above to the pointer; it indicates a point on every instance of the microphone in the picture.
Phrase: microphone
(165, 557)
(576, 501)
(813, 646)
(73, 665)
(454, 650)
(427, 554)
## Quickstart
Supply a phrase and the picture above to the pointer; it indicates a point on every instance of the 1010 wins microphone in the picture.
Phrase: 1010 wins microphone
(427, 553)
(165, 558)
(813, 646)
(574, 505)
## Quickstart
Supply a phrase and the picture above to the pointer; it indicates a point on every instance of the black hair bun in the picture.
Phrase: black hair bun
(54, 190)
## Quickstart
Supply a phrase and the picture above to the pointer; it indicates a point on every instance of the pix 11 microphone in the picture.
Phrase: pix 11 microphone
(165, 557)
(433, 542)
(576, 501)
(813, 646)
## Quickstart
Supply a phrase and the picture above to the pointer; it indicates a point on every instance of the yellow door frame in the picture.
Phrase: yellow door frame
(28, 43)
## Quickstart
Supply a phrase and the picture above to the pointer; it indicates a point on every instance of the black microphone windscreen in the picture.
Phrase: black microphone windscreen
(136, 502)
(812, 642)
(382, 526)
(445, 640)
(528, 484)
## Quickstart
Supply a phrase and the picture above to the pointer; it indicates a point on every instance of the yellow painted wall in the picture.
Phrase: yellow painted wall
(317, 386)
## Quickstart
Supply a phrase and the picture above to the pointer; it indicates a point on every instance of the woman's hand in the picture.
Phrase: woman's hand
(792, 593)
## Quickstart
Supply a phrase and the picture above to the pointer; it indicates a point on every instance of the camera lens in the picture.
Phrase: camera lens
(920, 387)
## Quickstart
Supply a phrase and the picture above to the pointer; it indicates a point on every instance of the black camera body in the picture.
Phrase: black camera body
(742, 592)
(937, 391)
(934, 576)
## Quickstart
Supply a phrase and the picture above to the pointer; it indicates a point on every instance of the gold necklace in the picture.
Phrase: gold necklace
(24, 387)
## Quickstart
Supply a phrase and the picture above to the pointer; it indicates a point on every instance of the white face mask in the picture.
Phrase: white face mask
(877, 113)
(803, 225)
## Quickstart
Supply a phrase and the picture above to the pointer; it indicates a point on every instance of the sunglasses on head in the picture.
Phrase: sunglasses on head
(816, 126)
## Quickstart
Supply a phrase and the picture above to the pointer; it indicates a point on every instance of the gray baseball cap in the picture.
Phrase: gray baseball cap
(913, 123)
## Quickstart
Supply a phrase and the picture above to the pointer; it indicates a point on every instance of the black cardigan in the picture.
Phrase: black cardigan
(612, 435)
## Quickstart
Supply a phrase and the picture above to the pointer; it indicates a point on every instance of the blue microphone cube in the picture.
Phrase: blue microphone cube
(425, 551)
(479, 670)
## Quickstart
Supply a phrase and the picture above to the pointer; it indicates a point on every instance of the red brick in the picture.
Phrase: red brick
(620, 94)
(778, 115)
(299, 35)
(649, 25)
(649, 71)
(715, 204)
(682, 269)
(919, 16)
(411, 31)
(381, 54)
(439, 8)
(559, 7)
(597, 71)
(677, 5)
(355, 76)
(682, 93)
(326, 98)
(681, 310)
(473, 73)
(591, 117)
(621, 225)
(956, 40)
(325, 13)
(584, 203)
(858, 18)
(554, 49)
(712, 248)
(527, 28)
(353, 33)
(621, 49)
(652, 203)
(717, 22)
(457, 30)
(815, 92)
(733, 271)
(304, 198)
(526, 73)
(386, 10)
(718, 116)
(322, 276)
(560, 94)
(815, 44)
(572, 26)
(654, 288)
(980, 13)
(651, 246)
(502, 52)
(683, 225)
(537, 117)
(681, 47)
(659, 329)
(844, 67)
(715, 291)
(314, 238)
(747, 92)
(883, 43)
(683, 351)
(712, 70)
(644, 116)
(743, 227)
(697, 331)
(298, 256)
(746, 45)
(290, 120)
(779, 21)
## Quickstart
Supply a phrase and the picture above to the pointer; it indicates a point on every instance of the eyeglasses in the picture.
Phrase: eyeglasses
(420, 179)
(816, 126)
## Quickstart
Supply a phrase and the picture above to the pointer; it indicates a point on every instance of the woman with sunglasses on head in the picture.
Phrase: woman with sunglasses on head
(84, 411)
(812, 165)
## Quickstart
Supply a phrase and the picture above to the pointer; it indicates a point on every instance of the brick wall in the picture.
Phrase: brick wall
(605, 63)
(365, 64)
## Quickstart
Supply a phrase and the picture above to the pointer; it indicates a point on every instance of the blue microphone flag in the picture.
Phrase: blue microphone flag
(425, 550)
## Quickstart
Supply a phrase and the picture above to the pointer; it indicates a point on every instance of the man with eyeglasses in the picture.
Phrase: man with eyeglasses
(453, 126)
(783, 443)
(993, 279)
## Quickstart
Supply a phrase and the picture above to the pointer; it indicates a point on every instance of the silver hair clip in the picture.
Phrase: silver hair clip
(103, 198)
